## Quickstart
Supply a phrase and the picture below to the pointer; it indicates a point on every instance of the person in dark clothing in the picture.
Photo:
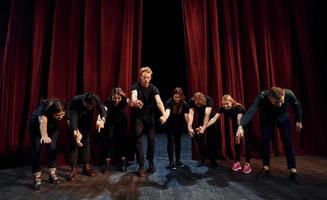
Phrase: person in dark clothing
(234, 111)
(273, 104)
(207, 140)
(44, 130)
(79, 117)
(144, 98)
(177, 114)
(116, 127)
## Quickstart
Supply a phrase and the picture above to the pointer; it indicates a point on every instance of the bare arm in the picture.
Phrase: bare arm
(213, 120)
(43, 120)
(134, 95)
(190, 122)
(207, 113)
(135, 102)
(202, 128)
(160, 105)
(164, 117)
(240, 132)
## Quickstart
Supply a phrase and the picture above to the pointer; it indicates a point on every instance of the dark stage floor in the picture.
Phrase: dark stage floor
(188, 183)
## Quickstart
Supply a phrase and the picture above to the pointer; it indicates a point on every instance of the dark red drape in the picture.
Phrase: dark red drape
(61, 48)
(58, 48)
(243, 47)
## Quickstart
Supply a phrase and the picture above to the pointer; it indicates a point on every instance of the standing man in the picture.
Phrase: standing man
(79, 120)
(273, 104)
(144, 98)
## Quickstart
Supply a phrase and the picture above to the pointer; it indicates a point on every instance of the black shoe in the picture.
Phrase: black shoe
(123, 167)
(37, 183)
(152, 168)
(180, 164)
(87, 170)
(214, 164)
(53, 178)
(201, 163)
(171, 165)
(264, 173)
(294, 176)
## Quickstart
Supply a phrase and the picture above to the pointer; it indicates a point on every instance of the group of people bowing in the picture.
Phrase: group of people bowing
(175, 114)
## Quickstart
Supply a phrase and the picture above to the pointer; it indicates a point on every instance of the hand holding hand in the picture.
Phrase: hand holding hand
(191, 132)
(78, 137)
(99, 123)
(162, 119)
(137, 103)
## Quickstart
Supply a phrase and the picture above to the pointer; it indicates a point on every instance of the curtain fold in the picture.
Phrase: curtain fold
(249, 45)
(60, 49)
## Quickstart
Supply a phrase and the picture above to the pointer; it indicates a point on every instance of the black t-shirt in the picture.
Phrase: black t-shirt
(115, 113)
(146, 95)
(232, 113)
(52, 125)
(201, 110)
(176, 116)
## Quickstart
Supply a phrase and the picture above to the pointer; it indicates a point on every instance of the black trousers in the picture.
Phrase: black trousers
(36, 151)
(144, 126)
(115, 138)
(174, 135)
(84, 150)
(200, 141)
(285, 128)
(212, 142)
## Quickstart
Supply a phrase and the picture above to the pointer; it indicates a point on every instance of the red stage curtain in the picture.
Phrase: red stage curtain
(243, 47)
(60, 49)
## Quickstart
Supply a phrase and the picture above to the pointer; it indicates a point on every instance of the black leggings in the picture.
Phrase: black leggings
(116, 139)
(36, 152)
(174, 135)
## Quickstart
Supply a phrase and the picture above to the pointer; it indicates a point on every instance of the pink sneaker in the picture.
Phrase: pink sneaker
(236, 166)
(246, 168)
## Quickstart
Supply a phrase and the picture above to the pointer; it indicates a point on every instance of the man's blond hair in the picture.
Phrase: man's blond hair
(145, 69)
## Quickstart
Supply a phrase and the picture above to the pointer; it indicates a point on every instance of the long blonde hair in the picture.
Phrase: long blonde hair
(229, 98)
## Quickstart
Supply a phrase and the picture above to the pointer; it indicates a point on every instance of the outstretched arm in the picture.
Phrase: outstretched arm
(213, 120)
(161, 108)
(135, 102)
(190, 122)
(207, 113)
(43, 121)
(244, 119)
